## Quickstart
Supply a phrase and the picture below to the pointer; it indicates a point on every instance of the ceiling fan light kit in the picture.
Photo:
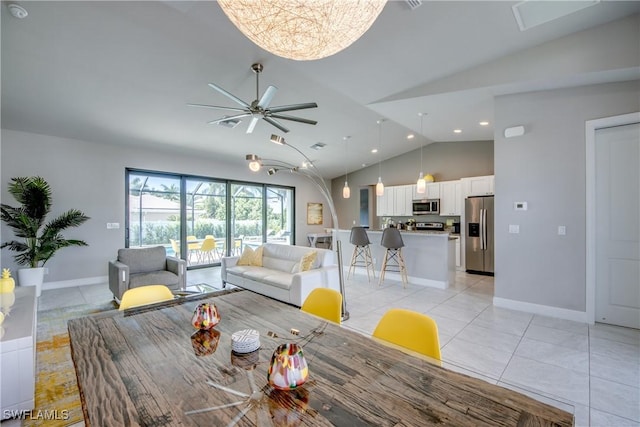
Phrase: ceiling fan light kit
(259, 108)
(302, 30)
(254, 162)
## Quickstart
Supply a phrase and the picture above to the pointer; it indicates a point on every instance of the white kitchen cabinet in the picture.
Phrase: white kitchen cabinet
(451, 198)
(403, 195)
(396, 201)
(386, 203)
(478, 185)
(458, 260)
(432, 191)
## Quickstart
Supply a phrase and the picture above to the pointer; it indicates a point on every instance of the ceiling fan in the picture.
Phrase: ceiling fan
(259, 108)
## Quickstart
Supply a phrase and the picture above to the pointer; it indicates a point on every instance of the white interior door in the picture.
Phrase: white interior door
(617, 219)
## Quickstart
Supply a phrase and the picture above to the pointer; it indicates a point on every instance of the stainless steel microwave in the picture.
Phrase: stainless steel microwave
(426, 207)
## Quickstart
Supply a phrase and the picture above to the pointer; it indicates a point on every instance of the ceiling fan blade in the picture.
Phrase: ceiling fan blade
(224, 119)
(276, 124)
(267, 96)
(229, 95)
(216, 107)
(252, 124)
(295, 119)
(283, 108)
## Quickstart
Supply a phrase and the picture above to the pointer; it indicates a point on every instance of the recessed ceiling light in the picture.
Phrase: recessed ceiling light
(364, 164)
(457, 131)
(411, 136)
(375, 150)
(484, 123)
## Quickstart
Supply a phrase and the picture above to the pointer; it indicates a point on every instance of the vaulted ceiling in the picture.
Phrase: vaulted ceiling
(123, 72)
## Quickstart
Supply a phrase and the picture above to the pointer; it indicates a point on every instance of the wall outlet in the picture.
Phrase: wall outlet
(514, 229)
(113, 225)
(562, 230)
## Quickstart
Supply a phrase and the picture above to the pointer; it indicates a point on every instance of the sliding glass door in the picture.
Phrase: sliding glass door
(247, 219)
(203, 219)
(206, 220)
(154, 213)
(280, 215)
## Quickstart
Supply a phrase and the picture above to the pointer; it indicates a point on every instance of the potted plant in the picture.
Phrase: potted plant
(40, 241)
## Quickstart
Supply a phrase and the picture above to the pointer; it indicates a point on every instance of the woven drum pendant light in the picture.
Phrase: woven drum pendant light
(303, 30)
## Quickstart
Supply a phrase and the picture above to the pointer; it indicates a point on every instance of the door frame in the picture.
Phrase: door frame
(591, 126)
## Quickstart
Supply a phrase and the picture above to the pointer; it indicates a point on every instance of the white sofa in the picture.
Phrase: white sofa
(279, 277)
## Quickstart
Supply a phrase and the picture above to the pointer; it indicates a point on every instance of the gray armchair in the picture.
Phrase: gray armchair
(145, 266)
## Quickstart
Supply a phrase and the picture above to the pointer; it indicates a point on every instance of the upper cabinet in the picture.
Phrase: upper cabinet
(432, 191)
(386, 202)
(478, 186)
(398, 199)
(451, 198)
(403, 200)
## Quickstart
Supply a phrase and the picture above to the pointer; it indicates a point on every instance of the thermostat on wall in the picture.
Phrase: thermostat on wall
(519, 206)
(514, 131)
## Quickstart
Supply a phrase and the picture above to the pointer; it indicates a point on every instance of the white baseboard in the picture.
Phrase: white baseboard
(544, 310)
(76, 282)
(396, 276)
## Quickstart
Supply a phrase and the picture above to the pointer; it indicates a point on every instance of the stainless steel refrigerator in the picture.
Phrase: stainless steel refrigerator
(479, 234)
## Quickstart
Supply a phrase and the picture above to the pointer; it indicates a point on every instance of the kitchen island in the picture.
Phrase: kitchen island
(429, 256)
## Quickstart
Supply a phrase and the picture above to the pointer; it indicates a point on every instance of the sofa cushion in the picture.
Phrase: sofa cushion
(278, 264)
(285, 257)
(154, 278)
(247, 256)
(279, 279)
(142, 260)
(257, 256)
(308, 260)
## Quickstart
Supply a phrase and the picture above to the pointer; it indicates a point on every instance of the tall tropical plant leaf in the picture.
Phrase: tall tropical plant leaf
(41, 241)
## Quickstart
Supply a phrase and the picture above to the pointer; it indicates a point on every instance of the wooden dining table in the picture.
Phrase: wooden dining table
(150, 367)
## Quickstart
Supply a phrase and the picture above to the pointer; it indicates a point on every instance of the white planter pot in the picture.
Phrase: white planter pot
(31, 277)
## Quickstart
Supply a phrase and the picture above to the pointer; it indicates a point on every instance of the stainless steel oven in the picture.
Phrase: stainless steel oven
(426, 207)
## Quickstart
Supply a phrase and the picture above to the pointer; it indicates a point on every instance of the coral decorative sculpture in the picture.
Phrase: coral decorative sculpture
(288, 368)
(205, 316)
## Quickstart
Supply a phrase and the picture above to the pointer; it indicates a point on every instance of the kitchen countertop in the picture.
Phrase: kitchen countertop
(437, 232)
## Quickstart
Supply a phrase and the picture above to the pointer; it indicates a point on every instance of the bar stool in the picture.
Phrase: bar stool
(393, 260)
(361, 256)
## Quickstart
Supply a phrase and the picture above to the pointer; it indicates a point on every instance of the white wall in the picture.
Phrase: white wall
(91, 177)
(546, 168)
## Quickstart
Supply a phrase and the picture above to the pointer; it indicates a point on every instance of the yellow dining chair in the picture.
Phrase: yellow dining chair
(208, 249)
(193, 246)
(325, 303)
(409, 329)
(176, 247)
(144, 295)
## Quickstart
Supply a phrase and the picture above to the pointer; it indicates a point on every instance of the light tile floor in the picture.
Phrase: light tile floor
(590, 371)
